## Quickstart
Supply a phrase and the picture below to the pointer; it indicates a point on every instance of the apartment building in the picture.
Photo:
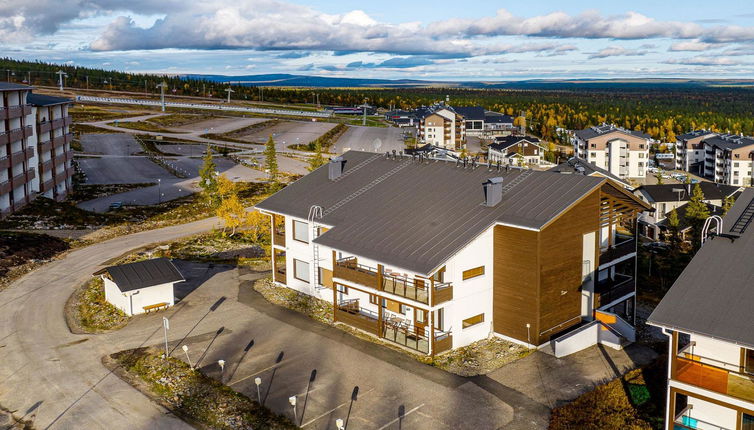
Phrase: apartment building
(707, 316)
(689, 151)
(18, 172)
(728, 159)
(624, 153)
(54, 154)
(35, 152)
(666, 197)
(443, 127)
(434, 255)
(516, 151)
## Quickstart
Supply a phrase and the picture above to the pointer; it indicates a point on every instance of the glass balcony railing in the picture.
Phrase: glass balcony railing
(714, 375)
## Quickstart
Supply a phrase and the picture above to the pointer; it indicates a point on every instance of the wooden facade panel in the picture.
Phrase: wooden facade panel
(515, 280)
(561, 258)
(327, 278)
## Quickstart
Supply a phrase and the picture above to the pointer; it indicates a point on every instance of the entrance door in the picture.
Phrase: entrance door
(420, 321)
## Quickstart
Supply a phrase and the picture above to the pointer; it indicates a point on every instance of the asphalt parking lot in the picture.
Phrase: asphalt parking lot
(110, 144)
(121, 170)
(373, 139)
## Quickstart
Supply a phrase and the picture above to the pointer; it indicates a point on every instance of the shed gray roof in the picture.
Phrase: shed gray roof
(599, 130)
(142, 274)
(43, 100)
(665, 193)
(10, 86)
(714, 295)
(414, 215)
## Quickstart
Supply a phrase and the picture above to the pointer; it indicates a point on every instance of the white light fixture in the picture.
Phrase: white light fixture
(339, 424)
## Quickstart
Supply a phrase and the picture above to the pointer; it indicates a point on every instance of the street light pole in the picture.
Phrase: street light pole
(222, 369)
(292, 401)
(159, 191)
(166, 327)
(162, 94)
(258, 382)
(185, 350)
(60, 74)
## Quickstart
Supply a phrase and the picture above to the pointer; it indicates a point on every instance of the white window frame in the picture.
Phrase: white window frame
(299, 226)
(296, 262)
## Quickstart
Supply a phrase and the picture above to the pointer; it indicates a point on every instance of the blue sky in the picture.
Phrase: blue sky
(440, 40)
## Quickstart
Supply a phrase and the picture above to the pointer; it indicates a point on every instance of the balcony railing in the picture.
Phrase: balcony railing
(416, 289)
(701, 373)
(14, 111)
(609, 290)
(350, 313)
(685, 422)
(617, 251)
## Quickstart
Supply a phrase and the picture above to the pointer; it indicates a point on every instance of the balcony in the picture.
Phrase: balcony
(701, 372)
(349, 312)
(411, 289)
(350, 270)
(47, 185)
(5, 187)
(23, 155)
(14, 112)
(684, 421)
(615, 252)
(609, 290)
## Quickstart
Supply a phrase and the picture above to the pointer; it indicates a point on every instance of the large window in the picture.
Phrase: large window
(300, 231)
(301, 270)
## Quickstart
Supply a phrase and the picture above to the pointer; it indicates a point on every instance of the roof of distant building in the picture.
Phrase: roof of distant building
(44, 100)
(683, 222)
(729, 141)
(667, 193)
(10, 86)
(497, 118)
(577, 165)
(142, 274)
(470, 113)
(599, 130)
(415, 215)
(693, 134)
(713, 296)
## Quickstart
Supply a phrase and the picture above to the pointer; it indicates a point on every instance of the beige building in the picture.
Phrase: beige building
(443, 128)
(728, 159)
(689, 151)
(624, 153)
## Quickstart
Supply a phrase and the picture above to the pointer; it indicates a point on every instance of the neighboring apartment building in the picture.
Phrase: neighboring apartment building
(473, 118)
(434, 255)
(54, 154)
(689, 151)
(18, 170)
(35, 154)
(496, 123)
(728, 159)
(516, 151)
(578, 166)
(666, 197)
(443, 127)
(707, 316)
(624, 153)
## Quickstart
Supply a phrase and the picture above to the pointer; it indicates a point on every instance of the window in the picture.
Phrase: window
(342, 289)
(300, 231)
(735, 164)
(641, 146)
(476, 319)
(473, 273)
(301, 270)
(641, 164)
(405, 309)
(373, 299)
(747, 422)
(641, 155)
(593, 154)
(594, 145)
(440, 319)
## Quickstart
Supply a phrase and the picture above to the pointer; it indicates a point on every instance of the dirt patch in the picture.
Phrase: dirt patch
(22, 252)
(190, 394)
(481, 357)
(237, 135)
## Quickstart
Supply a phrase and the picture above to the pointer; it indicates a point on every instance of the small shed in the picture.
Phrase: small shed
(137, 288)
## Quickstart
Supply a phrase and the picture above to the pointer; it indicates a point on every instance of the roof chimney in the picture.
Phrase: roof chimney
(335, 168)
(493, 191)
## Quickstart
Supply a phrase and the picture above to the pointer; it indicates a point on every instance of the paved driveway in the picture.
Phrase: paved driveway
(374, 139)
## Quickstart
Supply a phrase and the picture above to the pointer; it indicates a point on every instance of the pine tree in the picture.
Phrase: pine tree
(696, 213)
(270, 160)
(673, 223)
(208, 176)
(317, 160)
(727, 204)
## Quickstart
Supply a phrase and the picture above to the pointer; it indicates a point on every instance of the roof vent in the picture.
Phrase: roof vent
(493, 191)
(335, 168)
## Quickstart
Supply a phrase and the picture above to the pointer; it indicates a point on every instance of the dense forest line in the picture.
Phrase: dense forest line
(661, 112)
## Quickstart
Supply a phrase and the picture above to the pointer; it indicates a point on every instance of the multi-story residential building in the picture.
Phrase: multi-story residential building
(473, 118)
(443, 127)
(35, 152)
(689, 151)
(707, 316)
(17, 148)
(728, 159)
(54, 154)
(666, 197)
(516, 151)
(624, 153)
(496, 123)
(434, 255)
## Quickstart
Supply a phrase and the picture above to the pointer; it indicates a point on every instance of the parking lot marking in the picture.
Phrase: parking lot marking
(404, 416)
(335, 409)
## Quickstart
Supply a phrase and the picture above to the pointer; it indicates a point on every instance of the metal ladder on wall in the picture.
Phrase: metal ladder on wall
(315, 213)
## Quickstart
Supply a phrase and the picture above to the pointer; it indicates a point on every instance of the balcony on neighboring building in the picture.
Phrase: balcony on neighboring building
(610, 290)
(13, 112)
(617, 251)
(713, 375)
(417, 289)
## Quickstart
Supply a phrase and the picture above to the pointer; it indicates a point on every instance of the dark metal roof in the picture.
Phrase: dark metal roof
(578, 165)
(683, 222)
(665, 193)
(142, 274)
(727, 141)
(415, 215)
(502, 143)
(692, 134)
(471, 113)
(497, 118)
(595, 131)
(9, 86)
(714, 295)
(43, 100)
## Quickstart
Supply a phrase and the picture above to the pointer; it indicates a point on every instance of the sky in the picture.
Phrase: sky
(438, 40)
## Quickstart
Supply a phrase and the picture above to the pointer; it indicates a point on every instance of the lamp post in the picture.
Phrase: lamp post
(339, 424)
(292, 401)
(159, 191)
(165, 328)
(222, 368)
(185, 350)
(258, 382)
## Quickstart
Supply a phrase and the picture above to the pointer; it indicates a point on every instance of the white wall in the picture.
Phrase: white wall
(710, 413)
(716, 352)
(136, 300)
(588, 274)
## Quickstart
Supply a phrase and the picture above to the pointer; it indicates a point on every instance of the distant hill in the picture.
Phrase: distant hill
(288, 80)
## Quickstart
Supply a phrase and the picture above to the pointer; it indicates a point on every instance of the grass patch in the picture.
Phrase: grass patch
(635, 401)
(21, 252)
(216, 247)
(89, 113)
(142, 126)
(481, 357)
(93, 313)
(179, 119)
(192, 395)
(312, 307)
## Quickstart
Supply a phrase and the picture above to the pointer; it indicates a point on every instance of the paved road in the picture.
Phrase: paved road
(375, 139)
(122, 170)
(110, 144)
(57, 376)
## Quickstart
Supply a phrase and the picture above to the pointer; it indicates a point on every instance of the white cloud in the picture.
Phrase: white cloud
(617, 51)
(693, 45)
(701, 60)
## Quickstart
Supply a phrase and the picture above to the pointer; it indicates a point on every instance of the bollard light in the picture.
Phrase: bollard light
(292, 400)
(339, 424)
